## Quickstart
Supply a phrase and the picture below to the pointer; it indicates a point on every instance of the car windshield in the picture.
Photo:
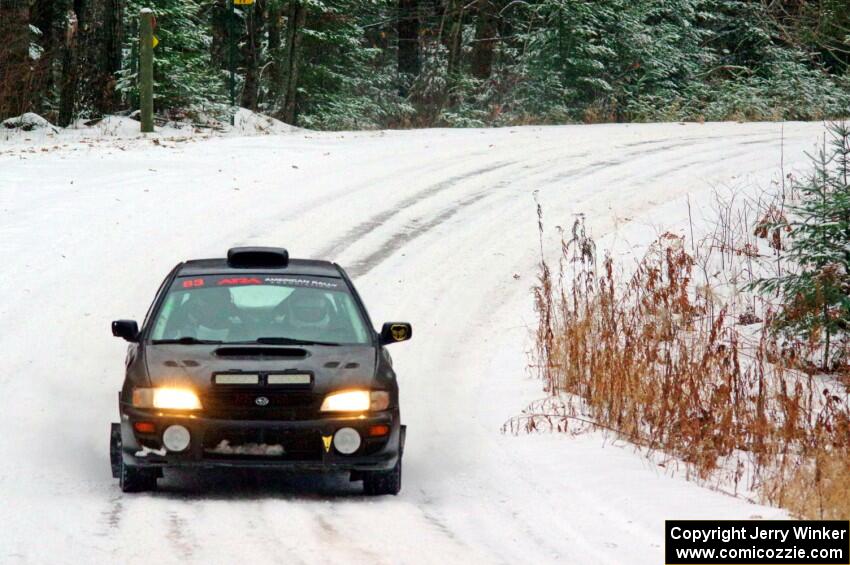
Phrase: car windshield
(259, 309)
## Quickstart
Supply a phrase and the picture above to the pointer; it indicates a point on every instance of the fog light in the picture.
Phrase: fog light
(176, 438)
(347, 441)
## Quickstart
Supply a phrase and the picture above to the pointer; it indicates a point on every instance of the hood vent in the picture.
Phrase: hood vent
(261, 352)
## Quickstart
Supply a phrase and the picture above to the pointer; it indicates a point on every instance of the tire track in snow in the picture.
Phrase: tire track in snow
(413, 230)
(362, 229)
(180, 536)
(416, 228)
(272, 547)
(113, 515)
(585, 171)
(659, 173)
(340, 244)
(339, 542)
(428, 510)
(687, 140)
(330, 200)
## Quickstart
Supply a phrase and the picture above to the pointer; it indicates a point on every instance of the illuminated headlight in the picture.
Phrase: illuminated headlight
(347, 441)
(166, 398)
(356, 401)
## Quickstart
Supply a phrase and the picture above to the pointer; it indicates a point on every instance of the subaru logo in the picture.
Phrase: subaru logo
(261, 401)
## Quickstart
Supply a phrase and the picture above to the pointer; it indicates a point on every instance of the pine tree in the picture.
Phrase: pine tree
(184, 76)
(816, 298)
(344, 81)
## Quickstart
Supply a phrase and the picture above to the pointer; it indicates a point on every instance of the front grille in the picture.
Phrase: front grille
(241, 404)
(298, 445)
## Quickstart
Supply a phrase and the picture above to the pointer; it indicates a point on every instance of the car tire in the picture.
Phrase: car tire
(377, 483)
(134, 479)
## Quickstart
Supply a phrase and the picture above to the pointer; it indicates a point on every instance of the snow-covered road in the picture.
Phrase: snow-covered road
(437, 227)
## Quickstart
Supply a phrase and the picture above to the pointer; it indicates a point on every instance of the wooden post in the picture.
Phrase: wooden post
(146, 68)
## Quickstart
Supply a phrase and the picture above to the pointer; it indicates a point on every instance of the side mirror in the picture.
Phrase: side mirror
(393, 332)
(127, 329)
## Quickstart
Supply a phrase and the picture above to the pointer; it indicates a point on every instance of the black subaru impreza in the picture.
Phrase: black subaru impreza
(258, 360)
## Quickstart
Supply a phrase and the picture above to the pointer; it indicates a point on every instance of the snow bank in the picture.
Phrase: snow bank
(247, 122)
(28, 122)
(33, 130)
(125, 127)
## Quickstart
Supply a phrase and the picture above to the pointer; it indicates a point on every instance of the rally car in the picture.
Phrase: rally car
(258, 361)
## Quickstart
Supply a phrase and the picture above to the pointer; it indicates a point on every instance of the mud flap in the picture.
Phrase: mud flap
(115, 450)
(358, 475)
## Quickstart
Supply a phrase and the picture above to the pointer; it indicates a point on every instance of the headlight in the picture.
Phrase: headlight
(166, 398)
(356, 401)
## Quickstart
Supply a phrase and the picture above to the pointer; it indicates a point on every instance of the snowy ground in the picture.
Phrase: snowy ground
(434, 226)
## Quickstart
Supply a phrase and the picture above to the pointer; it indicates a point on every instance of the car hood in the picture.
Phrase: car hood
(333, 367)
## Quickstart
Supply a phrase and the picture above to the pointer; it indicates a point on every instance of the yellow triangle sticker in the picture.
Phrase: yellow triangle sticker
(155, 41)
(327, 441)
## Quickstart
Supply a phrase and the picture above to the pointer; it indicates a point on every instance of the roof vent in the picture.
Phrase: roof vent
(257, 257)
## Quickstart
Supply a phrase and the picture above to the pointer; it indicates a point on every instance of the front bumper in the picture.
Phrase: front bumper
(147, 451)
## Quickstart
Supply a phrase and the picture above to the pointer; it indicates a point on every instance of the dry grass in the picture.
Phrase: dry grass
(818, 489)
(659, 360)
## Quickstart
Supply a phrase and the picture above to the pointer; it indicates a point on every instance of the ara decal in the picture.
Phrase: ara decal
(239, 280)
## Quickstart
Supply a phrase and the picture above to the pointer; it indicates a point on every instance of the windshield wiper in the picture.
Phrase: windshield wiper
(289, 341)
(187, 340)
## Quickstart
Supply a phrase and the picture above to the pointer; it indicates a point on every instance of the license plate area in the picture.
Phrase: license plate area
(262, 444)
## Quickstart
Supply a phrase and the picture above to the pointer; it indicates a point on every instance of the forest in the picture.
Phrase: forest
(365, 64)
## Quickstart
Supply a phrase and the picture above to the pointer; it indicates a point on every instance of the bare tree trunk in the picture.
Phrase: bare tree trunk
(91, 58)
(454, 38)
(486, 36)
(251, 55)
(98, 55)
(409, 62)
(292, 53)
(275, 67)
(219, 18)
(15, 67)
(68, 74)
(46, 15)
(112, 33)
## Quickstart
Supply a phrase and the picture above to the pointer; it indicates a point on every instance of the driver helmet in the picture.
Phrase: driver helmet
(211, 307)
(309, 309)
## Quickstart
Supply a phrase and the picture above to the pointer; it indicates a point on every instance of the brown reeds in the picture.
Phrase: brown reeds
(652, 359)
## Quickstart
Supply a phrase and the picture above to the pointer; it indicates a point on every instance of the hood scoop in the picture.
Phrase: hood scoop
(245, 352)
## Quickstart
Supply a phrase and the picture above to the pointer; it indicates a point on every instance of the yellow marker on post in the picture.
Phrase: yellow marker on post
(243, 2)
(155, 41)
